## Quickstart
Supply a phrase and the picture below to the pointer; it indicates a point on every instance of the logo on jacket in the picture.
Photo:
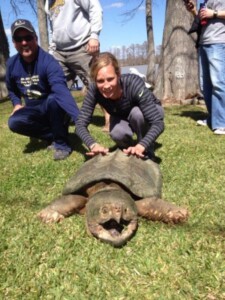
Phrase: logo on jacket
(54, 6)
(28, 81)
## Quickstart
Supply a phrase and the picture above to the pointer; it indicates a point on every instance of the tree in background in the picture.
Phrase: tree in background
(134, 54)
(177, 78)
(4, 54)
(42, 25)
(151, 45)
(150, 57)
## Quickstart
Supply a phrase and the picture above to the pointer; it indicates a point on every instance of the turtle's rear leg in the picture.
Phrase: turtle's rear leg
(156, 209)
(62, 207)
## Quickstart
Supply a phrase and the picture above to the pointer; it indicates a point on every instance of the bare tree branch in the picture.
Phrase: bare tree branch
(16, 4)
(131, 13)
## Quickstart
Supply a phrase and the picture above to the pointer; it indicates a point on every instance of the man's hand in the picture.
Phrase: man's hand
(96, 149)
(16, 107)
(190, 6)
(93, 46)
(137, 150)
(206, 13)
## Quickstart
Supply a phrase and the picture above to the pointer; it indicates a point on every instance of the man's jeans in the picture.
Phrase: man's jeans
(212, 82)
(45, 121)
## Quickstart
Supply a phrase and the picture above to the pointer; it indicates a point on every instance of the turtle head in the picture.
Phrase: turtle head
(112, 216)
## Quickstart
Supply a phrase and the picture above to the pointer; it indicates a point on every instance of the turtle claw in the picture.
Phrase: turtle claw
(48, 215)
(176, 216)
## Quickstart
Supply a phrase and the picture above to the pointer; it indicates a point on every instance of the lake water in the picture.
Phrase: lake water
(141, 69)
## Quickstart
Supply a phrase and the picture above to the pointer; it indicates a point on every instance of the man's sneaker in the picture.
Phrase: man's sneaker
(51, 146)
(219, 131)
(60, 154)
(201, 122)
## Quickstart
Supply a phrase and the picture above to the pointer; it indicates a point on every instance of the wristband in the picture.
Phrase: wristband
(92, 146)
(215, 14)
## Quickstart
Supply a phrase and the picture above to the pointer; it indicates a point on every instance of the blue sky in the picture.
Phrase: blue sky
(115, 33)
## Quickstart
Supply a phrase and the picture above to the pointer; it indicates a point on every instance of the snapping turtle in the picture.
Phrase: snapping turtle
(113, 190)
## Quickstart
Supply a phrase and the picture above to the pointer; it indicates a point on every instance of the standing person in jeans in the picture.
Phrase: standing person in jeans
(34, 76)
(76, 26)
(132, 107)
(212, 61)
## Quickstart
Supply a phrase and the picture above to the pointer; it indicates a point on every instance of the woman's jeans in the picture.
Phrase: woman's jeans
(212, 82)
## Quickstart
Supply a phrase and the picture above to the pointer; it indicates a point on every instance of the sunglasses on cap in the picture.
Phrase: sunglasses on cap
(26, 38)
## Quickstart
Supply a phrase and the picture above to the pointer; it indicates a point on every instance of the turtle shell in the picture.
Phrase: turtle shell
(141, 177)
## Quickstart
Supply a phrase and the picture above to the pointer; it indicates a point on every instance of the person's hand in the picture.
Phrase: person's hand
(190, 6)
(93, 46)
(16, 107)
(206, 13)
(137, 150)
(97, 149)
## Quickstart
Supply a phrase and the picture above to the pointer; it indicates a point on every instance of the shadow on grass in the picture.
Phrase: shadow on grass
(157, 159)
(194, 115)
(76, 143)
(98, 121)
(35, 145)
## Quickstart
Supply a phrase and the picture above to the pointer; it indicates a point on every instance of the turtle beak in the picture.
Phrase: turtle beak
(111, 216)
(112, 236)
(117, 213)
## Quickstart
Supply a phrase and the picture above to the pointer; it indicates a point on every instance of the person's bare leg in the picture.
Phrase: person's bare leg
(107, 117)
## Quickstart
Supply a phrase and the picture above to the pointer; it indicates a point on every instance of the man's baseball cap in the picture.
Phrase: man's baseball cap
(21, 23)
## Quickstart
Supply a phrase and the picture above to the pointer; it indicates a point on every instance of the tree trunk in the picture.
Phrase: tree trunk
(177, 77)
(151, 47)
(42, 25)
(4, 55)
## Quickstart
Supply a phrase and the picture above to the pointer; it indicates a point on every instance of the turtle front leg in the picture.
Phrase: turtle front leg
(62, 207)
(156, 209)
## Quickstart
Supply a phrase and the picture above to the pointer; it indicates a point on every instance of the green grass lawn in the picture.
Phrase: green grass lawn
(60, 261)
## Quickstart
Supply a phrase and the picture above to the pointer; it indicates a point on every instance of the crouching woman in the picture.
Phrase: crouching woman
(133, 108)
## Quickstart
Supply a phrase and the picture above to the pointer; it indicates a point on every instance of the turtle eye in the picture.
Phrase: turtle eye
(104, 210)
